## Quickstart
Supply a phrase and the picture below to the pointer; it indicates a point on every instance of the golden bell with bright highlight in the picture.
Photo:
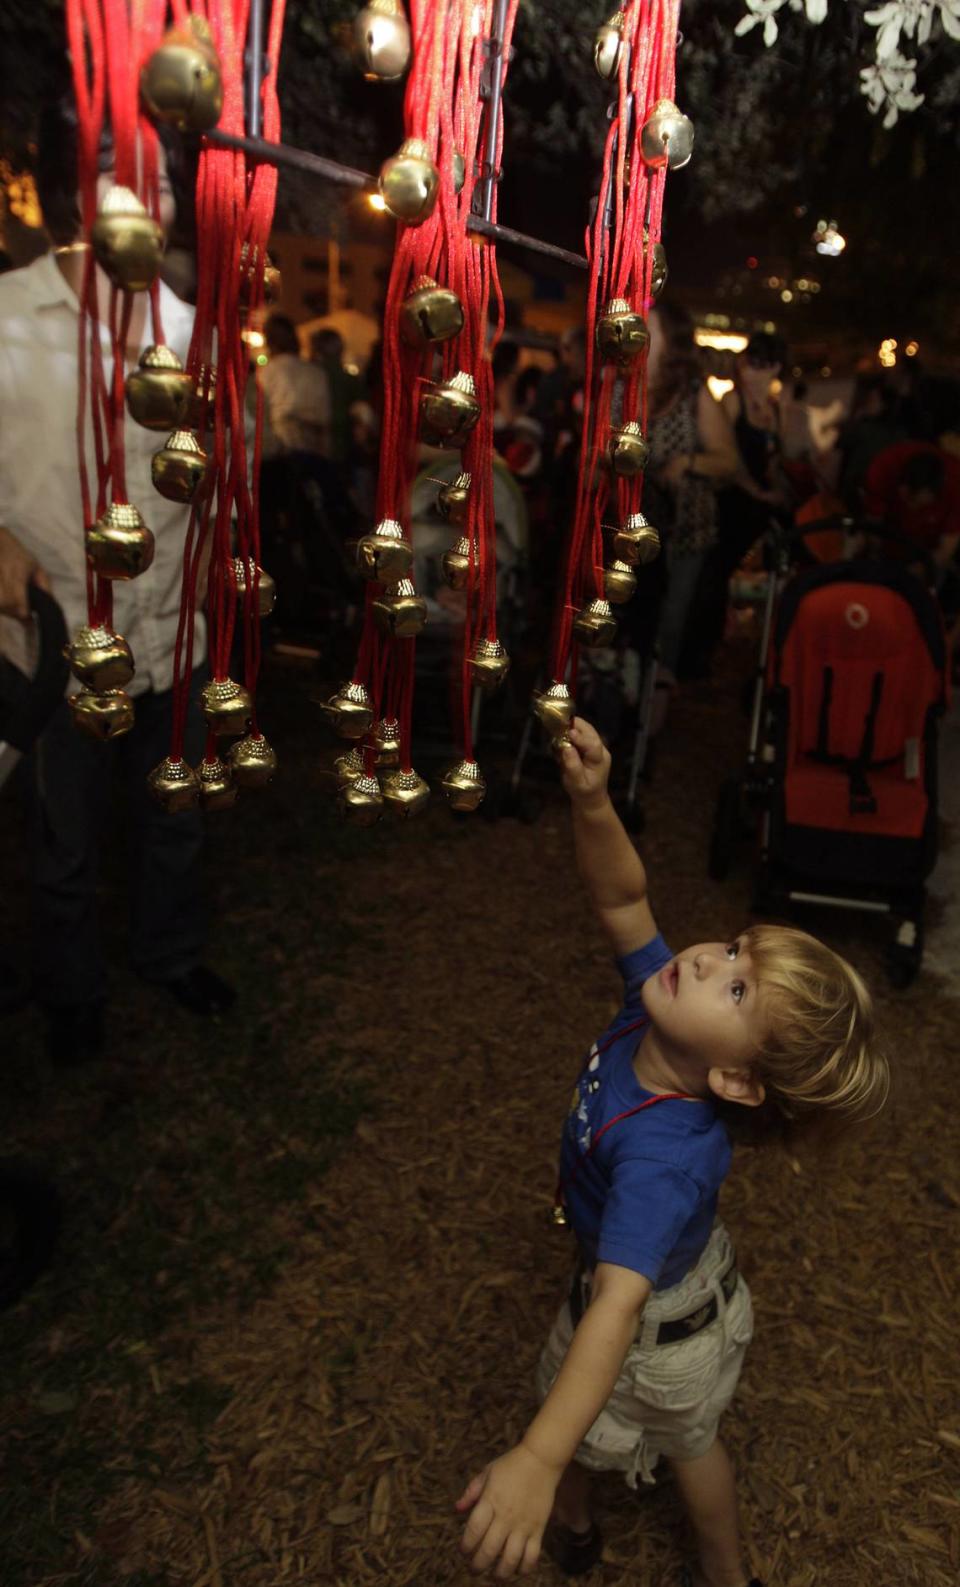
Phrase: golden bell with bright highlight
(266, 588)
(381, 41)
(386, 740)
(622, 333)
(361, 801)
(455, 564)
(159, 391)
(119, 545)
(180, 83)
(489, 664)
(463, 785)
(127, 242)
(555, 709)
(628, 450)
(180, 467)
(385, 555)
(100, 659)
(449, 411)
(453, 500)
(349, 766)
(666, 137)
(252, 760)
(636, 540)
(270, 284)
(619, 582)
(430, 314)
(218, 788)
(349, 711)
(595, 625)
(404, 792)
(174, 785)
(410, 182)
(608, 47)
(400, 611)
(226, 706)
(104, 715)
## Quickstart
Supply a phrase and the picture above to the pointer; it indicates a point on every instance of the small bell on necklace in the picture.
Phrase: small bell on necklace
(666, 137)
(226, 706)
(361, 801)
(455, 564)
(453, 500)
(107, 714)
(100, 659)
(159, 391)
(349, 711)
(463, 785)
(449, 410)
(252, 760)
(180, 467)
(174, 785)
(400, 611)
(385, 555)
(595, 625)
(636, 540)
(619, 582)
(127, 242)
(381, 41)
(180, 83)
(622, 333)
(555, 708)
(430, 314)
(386, 742)
(218, 788)
(119, 544)
(405, 793)
(489, 664)
(628, 450)
(266, 588)
(608, 46)
(409, 182)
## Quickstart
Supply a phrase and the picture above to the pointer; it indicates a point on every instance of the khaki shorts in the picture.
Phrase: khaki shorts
(669, 1398)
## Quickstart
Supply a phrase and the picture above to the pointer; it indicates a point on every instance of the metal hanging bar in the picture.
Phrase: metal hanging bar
(255, 69)
(490, 86)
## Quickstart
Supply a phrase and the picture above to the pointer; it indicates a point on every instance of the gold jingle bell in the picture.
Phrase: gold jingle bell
(595, 625)
(271, 277)
(350, 711)
(266, 588)
(179, 468)
(453, 499)
(404, 792)
(463, 785)
(409, 182)
(226, 706)
(666, 137)
(127, 242)
(102, 715)
(558, 744)
(636, 540)
(619, 582)
(459, 171)
(381, 40)
(349, 767)
(449, 411)
(386, 741)
(385, 555)
(622, 333)
(252, 761)
(489, 664)
(218, 788)
(202, 397)
(119, 544)
(608, 46)
(174, 785)
(180, 83)
(628, 450)
(431, 313)
(400, 611)
(660, 272)
(100, 659)
(159, 391)
(555, 708)
(455, 564)
(361, 801)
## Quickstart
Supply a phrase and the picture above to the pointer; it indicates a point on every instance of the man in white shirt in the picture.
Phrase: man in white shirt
(296, 395)
(41, 512)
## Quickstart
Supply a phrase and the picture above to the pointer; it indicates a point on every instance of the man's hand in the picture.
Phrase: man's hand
(586, 767)
(18, 570)
(509, 1503)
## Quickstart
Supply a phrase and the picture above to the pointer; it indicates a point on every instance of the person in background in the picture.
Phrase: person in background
(872, 425)
(296, 395)
(913, 489)
(326, 351)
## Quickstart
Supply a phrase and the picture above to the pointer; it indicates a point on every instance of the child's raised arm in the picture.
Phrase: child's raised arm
(606, 858)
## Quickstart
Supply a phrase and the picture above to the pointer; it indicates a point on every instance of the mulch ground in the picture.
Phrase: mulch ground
(311, 1418)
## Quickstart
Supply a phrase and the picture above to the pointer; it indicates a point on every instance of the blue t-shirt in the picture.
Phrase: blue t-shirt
(646, 1196)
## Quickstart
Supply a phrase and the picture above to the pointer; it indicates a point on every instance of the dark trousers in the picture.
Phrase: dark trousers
(72, 795)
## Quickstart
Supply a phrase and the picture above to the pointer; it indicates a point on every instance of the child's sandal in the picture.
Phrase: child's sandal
(575, 1552)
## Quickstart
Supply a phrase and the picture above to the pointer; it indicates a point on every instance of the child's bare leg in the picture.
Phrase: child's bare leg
(571, 1505)
(708, 1488)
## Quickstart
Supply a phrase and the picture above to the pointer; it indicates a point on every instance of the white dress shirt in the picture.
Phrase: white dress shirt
(39, 478)
(297, 399)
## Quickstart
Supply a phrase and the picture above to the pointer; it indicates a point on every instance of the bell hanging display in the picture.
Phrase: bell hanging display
(449, 411)
(252, 761)
(361, 801)
(666, 137)
(119, 545)
(608, 46)
(174, 785)
(404, 792)
(410, 182)
(628, 450)
(636, 540)
(431, 313)
(453, 499)
(489, 664)
(619, 582)
(622, 333)
(350, 711)
(400, 611)
(102, 715)
(555, 709)
(218, 787)
(595, 625)
(348, 767)
(266, 588)
(381, 40)
(180, 83)
(159, 391)
(463, 785)
(455, 564)
(127, 242)
(386, 742)
(226, 706)
(100, 659)
(385, 555)
(180, 467)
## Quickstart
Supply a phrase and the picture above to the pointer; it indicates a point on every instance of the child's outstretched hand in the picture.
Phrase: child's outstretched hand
(509, 1503)
(585, 767)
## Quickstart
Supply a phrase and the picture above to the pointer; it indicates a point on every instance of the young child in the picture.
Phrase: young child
(645, 1356)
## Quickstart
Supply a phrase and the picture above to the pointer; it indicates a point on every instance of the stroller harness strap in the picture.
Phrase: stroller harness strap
(862, 798)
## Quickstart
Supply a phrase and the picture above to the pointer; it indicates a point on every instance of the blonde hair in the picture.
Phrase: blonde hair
(820, 1060)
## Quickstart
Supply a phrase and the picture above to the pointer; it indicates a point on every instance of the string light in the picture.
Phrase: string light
(718, 388)
(828, 240)
(720, 341)
(888, 352)
(912, 349)
(376, 201)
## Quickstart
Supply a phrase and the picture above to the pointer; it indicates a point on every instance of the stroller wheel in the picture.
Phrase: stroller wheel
(726, 829)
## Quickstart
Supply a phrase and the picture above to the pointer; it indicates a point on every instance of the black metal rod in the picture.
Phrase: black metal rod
(347, 176)
(489, 176)
(255, 69)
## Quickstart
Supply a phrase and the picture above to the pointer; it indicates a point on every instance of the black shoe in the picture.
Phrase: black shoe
(575, 1552)
(201, 991)
(75, 1032)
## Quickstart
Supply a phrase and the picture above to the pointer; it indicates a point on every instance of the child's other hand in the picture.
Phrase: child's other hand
(510, 1504)
(586, 767)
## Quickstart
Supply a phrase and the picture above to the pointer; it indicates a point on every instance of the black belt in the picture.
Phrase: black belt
(668, 1333)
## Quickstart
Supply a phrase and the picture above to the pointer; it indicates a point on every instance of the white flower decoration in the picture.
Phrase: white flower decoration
(890, 87)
